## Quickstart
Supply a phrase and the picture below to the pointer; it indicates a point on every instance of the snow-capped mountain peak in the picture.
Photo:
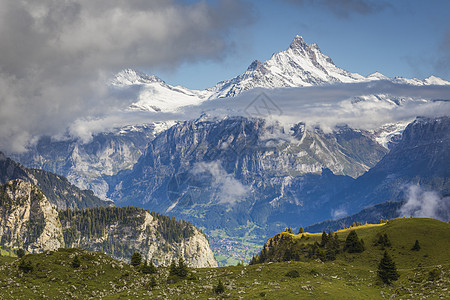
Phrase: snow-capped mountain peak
(301, 64)
(129, 77)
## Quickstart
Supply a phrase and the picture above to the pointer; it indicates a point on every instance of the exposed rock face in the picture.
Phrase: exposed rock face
(233, 172)
(129, 229)
(86, 163)
(58, 190)
(27, 219)
(420, 158)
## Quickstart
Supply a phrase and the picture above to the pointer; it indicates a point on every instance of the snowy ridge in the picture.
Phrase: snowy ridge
(155, 94)
(300, 65)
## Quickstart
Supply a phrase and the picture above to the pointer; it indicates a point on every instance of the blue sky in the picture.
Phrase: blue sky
(397, 38)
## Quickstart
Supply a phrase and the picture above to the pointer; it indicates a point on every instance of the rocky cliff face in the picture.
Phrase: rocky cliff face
(84, 163)
(236, 171)
(122, 231)
(27, 219)
(57, 189)
(421, 158)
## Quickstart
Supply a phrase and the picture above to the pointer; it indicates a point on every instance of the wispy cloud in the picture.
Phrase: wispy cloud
(425, 204)
(230, 190)
(56, 56)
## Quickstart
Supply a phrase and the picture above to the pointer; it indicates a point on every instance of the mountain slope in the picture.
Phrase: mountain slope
(58, 190)
(84, 163)
(421, 158)
(241, 175)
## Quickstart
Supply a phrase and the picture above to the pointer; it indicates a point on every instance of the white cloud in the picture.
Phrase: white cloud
(425, 204)
(230, 190)
(57, 55)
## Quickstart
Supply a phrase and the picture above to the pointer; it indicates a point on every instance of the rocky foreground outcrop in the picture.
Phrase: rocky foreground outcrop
(28, 220)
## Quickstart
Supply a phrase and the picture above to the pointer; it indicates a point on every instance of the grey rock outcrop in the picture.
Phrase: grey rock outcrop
(27, 219)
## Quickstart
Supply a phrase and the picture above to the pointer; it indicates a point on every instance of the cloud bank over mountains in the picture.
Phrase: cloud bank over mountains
(56, 56)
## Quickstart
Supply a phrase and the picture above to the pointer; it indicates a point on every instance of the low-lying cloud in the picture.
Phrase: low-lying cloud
(57, 56)
(230, 190)
(423, 203)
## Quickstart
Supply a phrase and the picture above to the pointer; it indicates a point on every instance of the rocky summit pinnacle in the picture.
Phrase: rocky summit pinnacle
(298, 42)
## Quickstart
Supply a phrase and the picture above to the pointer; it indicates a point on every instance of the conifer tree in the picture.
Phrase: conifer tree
(20, 253)
(76, 263)
(182, 268)
(353, 244)
(387, 271)
(416, 246)
(148, 268)
(136, 259)
(325, 239)
(301, 230)
(220, 288)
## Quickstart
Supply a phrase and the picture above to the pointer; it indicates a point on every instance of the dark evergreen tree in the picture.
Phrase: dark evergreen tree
(76, 263)
(26, 266)
(220, 288)
(173, 268)
(353, 244)
(148, 268)
(183, 269)
(136, 259)
(289, 230)
(387, 271)
(325, 239)
(152, 283)
(20, 253)
(416, 246)
(301, 230)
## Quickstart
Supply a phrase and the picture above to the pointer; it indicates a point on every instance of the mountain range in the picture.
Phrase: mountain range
(243, 179)
(301, 65)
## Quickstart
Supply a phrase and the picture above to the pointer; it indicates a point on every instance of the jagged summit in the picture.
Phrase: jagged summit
(301, 64)
(298, 42)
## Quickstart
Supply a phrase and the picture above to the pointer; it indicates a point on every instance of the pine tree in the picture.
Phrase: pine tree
(76, 263)
(301, 230)
(220, 288)
(20, 253)
(416, 246)
(325, 239)
(387, 271)
(148, 268)
(353, 244)
(289, 230)
(173, 268)
(182, 268)
(136, 259)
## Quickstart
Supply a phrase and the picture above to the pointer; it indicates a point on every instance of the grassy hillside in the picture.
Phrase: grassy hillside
(350, 276)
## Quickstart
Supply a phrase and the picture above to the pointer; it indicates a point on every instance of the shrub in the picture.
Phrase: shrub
(292, 274)
(26, 266)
